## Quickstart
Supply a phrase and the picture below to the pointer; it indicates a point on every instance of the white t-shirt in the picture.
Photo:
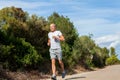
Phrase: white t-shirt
(54, 43)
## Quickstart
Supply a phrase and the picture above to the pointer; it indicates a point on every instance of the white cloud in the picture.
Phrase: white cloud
(23, 4)
(113, 40)
(114, 44)
(97, 26)
(108, 38)
(40, 8)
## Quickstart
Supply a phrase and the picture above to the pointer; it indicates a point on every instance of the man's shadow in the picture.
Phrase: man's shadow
(75, 78)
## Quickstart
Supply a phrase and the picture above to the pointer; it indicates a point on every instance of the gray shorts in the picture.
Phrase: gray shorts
(56, 53)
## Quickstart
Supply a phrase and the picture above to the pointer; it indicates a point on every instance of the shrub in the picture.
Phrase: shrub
(112, 60)
(17, 53)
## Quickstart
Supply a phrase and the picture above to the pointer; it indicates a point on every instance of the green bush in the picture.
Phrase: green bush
(17, 53)
(112, 60)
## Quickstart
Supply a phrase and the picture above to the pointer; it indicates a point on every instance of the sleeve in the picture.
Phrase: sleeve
(59, 33)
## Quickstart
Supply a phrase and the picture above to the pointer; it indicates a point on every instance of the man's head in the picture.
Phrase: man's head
(52, 27)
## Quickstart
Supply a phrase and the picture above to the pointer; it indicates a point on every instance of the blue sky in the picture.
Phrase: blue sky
(99, 17)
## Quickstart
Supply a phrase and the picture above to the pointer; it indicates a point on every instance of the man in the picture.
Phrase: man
(54, 38)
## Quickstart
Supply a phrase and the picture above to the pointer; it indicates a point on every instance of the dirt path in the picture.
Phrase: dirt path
(108, 73)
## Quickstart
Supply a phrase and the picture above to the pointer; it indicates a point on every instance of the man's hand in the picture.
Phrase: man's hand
(55, 37)
(48, 44)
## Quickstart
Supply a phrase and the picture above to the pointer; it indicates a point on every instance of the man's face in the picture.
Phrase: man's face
(52, 27)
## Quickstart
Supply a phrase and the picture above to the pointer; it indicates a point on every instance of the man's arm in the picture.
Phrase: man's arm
(61, 38)
(48, 42)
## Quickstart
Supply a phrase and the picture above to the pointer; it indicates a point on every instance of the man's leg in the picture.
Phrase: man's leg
(53, 67)
(61, 65)
(59, 56)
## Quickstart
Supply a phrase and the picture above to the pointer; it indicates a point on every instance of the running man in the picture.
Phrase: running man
(54, 38)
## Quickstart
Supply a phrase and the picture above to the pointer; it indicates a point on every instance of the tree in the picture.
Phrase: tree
(37, 34)
(83, 50)
(112, 59)
(17, 48)
(112, 51)
(100, 55)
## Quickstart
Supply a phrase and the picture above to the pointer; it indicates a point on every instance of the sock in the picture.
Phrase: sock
(53, 75)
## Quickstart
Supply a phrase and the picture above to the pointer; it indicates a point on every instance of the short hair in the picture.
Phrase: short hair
(52, 24)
